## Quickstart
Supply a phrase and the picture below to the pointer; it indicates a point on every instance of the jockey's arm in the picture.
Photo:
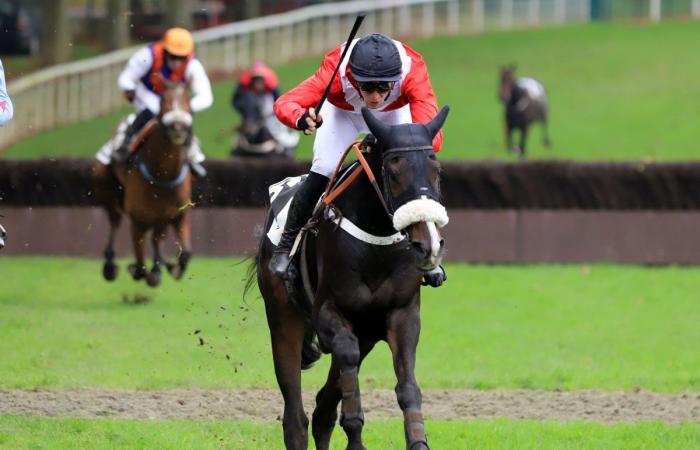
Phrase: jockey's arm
(6, 109)
(136, 68)
(291, 105)
(201, 86)
(421, 97)
(238, 98)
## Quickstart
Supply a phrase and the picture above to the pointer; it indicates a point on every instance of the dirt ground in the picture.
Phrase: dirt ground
(266, 405)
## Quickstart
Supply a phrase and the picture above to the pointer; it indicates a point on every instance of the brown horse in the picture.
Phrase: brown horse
(154, 188)
(525, 102)
(360, 289)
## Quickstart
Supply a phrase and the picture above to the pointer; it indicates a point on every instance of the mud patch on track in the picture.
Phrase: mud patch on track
(266, 405)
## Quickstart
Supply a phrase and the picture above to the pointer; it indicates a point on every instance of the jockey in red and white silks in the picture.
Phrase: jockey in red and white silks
(382, 74)
(411, 100)
(6, 109)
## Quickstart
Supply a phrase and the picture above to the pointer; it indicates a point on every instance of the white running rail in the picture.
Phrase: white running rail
(85, 89)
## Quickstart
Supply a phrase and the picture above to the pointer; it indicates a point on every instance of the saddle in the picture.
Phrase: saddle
(301, 286)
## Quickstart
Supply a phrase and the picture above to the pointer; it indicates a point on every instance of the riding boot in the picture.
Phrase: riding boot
(121, 154)
(195, 156)
(300, 211)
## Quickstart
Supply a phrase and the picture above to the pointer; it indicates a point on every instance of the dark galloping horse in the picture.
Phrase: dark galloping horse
(260, 133)
(364, 289)
(154, 189)
(525, 102)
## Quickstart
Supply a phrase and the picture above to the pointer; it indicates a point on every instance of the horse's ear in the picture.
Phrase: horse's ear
(434, 125)
(377, 127)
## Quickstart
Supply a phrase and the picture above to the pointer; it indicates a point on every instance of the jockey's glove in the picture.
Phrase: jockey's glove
(368, 142)
(435, 277)
(129, 96)
(309, 121)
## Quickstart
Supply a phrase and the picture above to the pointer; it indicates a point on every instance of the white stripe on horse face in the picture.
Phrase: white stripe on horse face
(434, 243)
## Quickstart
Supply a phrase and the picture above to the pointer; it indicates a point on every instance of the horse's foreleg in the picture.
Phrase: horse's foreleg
(183, 234)
(287, 330)
(402, 335)
(326, 411)
(138, 235)
(335, 332)
(153, 278)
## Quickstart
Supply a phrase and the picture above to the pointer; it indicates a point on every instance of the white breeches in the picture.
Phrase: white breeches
(340, 128)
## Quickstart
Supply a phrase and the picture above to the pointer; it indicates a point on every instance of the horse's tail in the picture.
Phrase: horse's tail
(251, 274)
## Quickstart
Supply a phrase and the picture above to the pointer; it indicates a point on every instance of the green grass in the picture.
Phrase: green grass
(26, 432)
(489, 327)
(617, 91)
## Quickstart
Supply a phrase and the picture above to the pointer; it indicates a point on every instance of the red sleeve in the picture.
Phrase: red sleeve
(419, 92)
(292, 104)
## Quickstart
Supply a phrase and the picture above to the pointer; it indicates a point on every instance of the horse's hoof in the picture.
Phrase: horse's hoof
(110, 271)
(153, 279)
(137, 272)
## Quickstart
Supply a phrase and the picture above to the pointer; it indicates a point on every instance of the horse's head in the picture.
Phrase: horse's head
(175, 114)
(506, 83)
(253, 117)
(410, 175)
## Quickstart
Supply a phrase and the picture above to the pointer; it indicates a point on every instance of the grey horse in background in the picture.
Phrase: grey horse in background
(525, 101)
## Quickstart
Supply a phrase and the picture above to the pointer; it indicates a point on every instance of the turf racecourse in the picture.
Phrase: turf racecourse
(617, 91)
(491, 327)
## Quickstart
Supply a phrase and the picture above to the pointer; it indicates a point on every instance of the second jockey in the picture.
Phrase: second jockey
(260, 80)
(173, 59)
(382, 74)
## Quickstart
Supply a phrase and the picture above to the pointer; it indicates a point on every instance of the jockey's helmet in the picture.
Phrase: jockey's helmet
(178, 42)
(375, 58)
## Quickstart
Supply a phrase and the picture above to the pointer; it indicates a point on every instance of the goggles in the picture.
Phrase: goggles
(375, 86)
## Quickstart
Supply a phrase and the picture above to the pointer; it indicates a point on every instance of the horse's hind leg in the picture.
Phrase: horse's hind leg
(327, 399)
(335, 333)
(138, 236)
(402, 335)
(153, 278)
(545, 133)
(523, 141)
(287, 330)
(107, 193)
(183, 234)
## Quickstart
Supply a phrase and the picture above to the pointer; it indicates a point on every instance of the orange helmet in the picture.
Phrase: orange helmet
(178, 42)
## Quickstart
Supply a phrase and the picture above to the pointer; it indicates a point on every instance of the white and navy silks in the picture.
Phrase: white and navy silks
(135, 76)
(6, 109)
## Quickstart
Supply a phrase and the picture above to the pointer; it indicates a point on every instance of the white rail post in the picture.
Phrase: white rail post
(478, 15)
(428, 19)
(695, 8)
(386, 23)
(404, 19)
(507, 14)
(559, 11)
(453, 16)
(533, 12)
(655, 10)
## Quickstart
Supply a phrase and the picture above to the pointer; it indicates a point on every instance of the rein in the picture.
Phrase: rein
(329, 196)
